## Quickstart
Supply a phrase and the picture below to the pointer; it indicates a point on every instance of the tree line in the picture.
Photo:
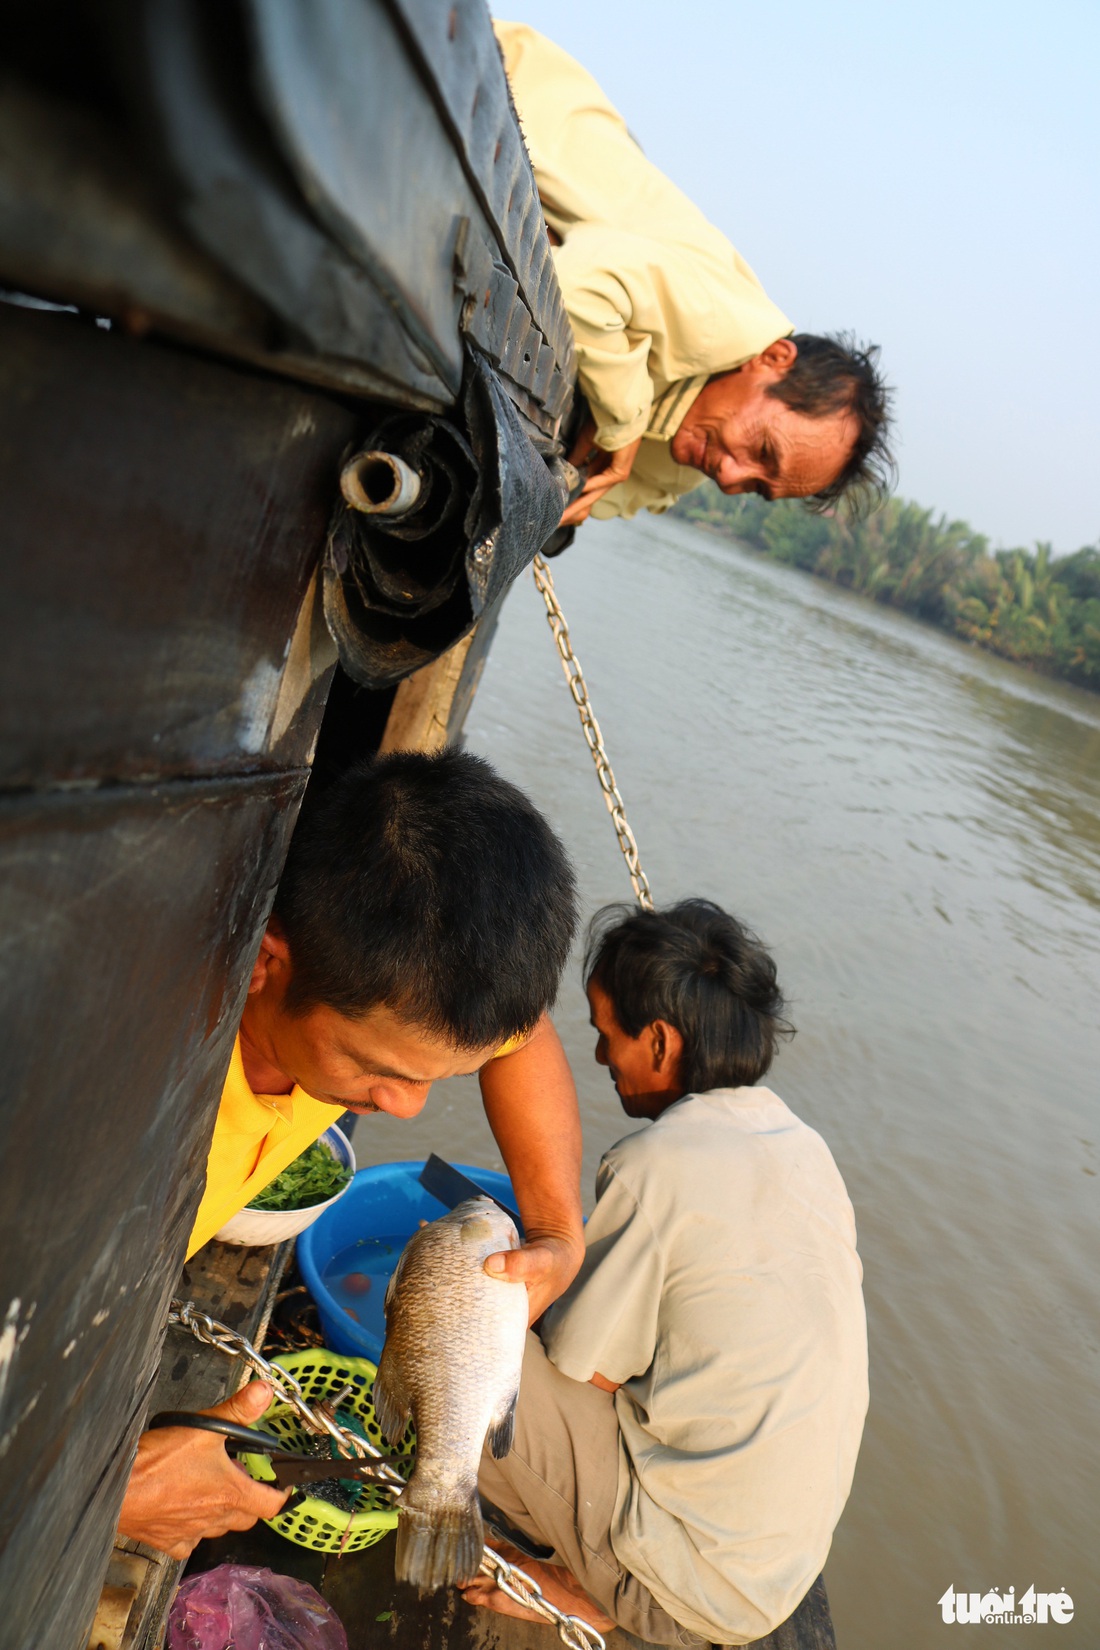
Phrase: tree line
(1027, 605)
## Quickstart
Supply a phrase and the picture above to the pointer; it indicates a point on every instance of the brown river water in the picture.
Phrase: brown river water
(914, 826)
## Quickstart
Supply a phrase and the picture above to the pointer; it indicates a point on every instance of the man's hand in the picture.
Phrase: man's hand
(184, 1487)
(547, 1265)
(605, 470)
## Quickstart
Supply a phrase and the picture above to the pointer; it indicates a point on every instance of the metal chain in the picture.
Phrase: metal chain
(185, 1315)
(574, 1633)
(578, 687)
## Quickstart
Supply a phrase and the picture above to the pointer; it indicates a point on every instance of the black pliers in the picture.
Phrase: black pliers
(291, 1467)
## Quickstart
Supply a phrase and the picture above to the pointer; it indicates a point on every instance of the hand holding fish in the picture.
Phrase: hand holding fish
(546, 1264)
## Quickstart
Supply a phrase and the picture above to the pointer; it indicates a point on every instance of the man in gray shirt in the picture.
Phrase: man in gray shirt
(687, 1429)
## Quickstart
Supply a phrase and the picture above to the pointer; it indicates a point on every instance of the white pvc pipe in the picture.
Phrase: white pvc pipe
(379, 484)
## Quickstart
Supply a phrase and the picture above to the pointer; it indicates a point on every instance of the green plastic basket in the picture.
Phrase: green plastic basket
(306, 1520)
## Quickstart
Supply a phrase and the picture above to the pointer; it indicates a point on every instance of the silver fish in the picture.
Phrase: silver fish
(452, 1360)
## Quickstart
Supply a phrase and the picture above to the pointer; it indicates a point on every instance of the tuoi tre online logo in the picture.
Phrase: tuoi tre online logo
(1002, 1609)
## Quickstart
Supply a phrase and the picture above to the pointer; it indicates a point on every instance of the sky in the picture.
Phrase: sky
(925, 176)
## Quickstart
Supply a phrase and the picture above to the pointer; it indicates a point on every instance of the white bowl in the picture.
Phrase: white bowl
(262, 1226)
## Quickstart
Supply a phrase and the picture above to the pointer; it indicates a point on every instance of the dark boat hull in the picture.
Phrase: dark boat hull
(170, 493)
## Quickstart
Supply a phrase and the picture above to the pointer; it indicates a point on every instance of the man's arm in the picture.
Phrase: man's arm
(531, 1103)
(605, 1330)
(602, 1382)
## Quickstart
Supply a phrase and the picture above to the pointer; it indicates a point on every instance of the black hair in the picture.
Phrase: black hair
(836, 374)
(702, 971)
(431, 885)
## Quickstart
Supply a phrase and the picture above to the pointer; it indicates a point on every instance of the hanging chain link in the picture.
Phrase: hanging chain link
(574, 1633)
(185, 1315)
(578, 687)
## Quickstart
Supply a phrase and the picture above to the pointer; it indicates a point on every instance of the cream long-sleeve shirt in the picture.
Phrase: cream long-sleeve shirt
(658, 298)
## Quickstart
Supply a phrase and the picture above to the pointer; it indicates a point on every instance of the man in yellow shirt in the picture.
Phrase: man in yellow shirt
(688, 368)
(419, 931)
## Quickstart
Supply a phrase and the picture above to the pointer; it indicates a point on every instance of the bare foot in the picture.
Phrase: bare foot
(562, 1590)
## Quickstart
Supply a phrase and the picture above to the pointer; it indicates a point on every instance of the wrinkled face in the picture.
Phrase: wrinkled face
(749, 442)
(375, 1062)
(643, 1084)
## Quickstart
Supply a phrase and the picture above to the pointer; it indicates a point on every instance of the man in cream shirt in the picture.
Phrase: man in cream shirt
(687, 1431)
(688, 368)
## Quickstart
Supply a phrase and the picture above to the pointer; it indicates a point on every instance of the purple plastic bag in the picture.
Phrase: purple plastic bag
(239, 1607)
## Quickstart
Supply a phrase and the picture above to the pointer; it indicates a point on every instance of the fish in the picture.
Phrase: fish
(451, 1363)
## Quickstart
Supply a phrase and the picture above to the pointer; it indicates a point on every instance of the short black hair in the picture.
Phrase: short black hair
(833, 374)
(431, 885)
(702, 971)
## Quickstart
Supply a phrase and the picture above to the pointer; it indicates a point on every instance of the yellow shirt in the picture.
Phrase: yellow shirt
(255, 1137)
(658, 298)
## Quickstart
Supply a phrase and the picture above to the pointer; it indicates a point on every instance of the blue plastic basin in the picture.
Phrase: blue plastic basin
(371, 1224)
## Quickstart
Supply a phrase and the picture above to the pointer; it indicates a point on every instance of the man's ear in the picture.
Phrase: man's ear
(666, 1046)
(273, 962)
(775, 361)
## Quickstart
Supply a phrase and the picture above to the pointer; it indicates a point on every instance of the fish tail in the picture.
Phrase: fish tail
(438, 1542)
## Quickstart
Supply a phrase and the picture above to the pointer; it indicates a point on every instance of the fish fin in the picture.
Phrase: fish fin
(438, 1545)
(500, 1434)
(391, 1400)
(391, 1287)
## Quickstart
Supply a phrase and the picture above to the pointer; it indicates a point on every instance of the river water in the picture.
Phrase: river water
(914, 826)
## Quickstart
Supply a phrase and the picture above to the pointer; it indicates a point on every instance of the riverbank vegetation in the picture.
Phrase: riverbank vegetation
(1026, 605)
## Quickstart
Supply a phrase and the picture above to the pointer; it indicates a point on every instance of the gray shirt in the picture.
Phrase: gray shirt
(721, 1286)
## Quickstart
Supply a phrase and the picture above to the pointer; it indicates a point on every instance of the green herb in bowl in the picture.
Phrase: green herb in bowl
(312, 1178)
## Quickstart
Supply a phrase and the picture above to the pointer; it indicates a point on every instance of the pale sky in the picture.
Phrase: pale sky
(925, 175)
